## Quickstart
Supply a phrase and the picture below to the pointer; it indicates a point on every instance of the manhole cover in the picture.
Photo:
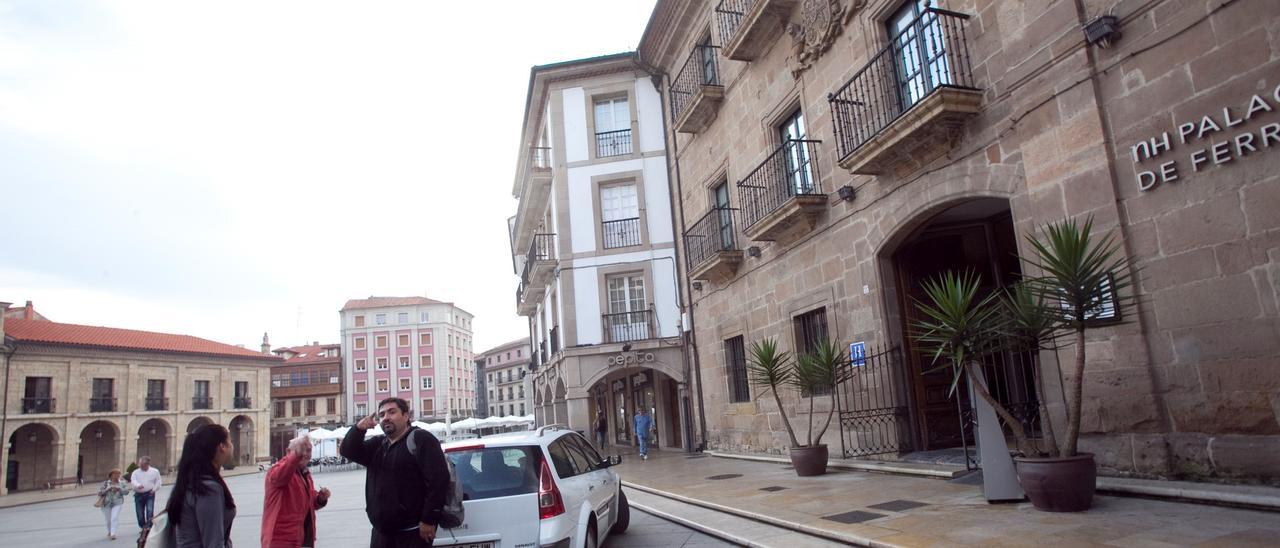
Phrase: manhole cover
(856, 516)
(724, 476)
(772, 488)
(897, 505)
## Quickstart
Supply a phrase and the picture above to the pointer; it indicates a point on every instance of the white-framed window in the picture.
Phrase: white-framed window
(627, 319)
(424, 317)
(405, 362)
(424, 338)
(619, 215)
(361, 387)
(613, 127)
(380, 319)
(380, 363)
(359, 343)
(362, 410)
(425, 360)
(361, 365)
(428, 407)
(380, 341)
(384, 385)
(402, 340)
(428, 383)
(402, 317)
(404, 384)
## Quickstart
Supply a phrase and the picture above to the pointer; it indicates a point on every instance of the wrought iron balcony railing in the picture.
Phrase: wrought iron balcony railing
(787, 172)
(613, 143)
(157, 404)
(709, 235)
(628, 326)
(38, 405)
(540, 157)
(729, 17)
(930, 54)
(541, 249)
(201, 403)
(554, 337)
(700, 69)
(102, 405)
(621, 233)
(243, 402)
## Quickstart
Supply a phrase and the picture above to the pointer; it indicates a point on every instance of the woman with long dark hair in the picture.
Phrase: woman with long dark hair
(200, 508)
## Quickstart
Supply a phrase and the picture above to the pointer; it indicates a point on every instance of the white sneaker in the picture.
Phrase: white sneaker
(644, 457)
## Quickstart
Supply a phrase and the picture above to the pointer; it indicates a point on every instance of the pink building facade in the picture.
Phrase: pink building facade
(415, 348)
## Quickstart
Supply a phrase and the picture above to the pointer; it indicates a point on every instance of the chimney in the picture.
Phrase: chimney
(29, 312)
(4, 310)
(266, 345)
(317, 343)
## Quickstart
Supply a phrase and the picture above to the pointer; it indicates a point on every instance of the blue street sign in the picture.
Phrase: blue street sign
(858, 354)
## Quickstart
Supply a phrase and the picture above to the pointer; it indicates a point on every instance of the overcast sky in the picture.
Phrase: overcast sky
(221, 169)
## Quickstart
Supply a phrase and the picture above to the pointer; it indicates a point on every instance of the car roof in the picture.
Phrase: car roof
(512, 439)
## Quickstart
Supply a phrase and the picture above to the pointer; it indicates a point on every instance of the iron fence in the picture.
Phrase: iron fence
(873, 406)
(621, 232)
(700, 69)
(38, 405)
(156, 404)
(613, 143)
(201, 403)
(930, 54)
(628, 326)
(241, 402)
(102, 405)
(787, 172)
(710, 234)
(729, 15)
(541, 249)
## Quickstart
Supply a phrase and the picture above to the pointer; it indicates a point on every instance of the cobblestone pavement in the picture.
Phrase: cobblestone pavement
(75, 522)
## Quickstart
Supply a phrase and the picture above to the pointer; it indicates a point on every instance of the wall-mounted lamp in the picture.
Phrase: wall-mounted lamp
(697, 286)
(846, 193)
(626, 347)
(1102, 31)
(753, 251)
(32, 438)
(97, 434)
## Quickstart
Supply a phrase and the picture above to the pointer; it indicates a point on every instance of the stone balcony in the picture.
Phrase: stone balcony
(711, 248)
(696, 92)
(749, 27)
(782, 198)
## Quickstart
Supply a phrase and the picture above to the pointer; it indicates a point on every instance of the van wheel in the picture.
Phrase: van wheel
(591, 537)
(624, 515)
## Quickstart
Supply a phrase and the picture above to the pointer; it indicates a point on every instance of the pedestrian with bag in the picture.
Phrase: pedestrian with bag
(145, 481)
(602, 429)
(200, 508)
(111, 500)
(643, 423)
(291, 500)
(406, 477)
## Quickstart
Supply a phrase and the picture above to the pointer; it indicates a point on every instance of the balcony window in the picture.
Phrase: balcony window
(620, 215)
(784, 191)
(629, 317)
(613, 127)
(155, 396)
(710, 244)
(920, 82)
(696, 91)
(242, 399)
(103, 399)
(749, 27)
(200, 396)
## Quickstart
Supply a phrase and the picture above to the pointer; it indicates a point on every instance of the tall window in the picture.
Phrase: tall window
(724, 217)
(103, 398)
(242, 399)
(201, 399)
(428, 383)
(620, 215)
(297, 408)
(331, 406)
(311, 407)
(155, 395)
(735, 357)
(798, 171)
(919, 52)
(428, 407)
(628, 318)
(362, 410)
(810, 331)
(279, 409)
(613, 127)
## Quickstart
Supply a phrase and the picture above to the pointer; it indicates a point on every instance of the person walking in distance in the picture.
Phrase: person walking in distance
(643, 422)
(201, 508)
(289, 507)
(602, 429)
(145, 481)
(404, 490)
(112, 498)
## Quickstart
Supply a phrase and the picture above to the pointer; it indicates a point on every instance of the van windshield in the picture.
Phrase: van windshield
(493, 472)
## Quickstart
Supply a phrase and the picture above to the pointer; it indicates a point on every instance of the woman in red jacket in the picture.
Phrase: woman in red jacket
(289, 509)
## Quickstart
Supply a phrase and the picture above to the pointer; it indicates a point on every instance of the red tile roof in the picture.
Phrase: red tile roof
(378, 302)
(39, 331)
(308, 353)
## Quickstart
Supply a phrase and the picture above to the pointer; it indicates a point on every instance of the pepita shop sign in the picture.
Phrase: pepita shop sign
(1207, 142)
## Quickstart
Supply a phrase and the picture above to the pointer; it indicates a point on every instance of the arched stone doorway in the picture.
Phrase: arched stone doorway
(976, 235)
(99, 450)
(153, 441)
(242, 440)
(32, 462)
(561, 404)
(621, 392)
(197, 423)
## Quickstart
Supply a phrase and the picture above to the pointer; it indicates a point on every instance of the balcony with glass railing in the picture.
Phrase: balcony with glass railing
(905, 106)
(782, 197)
(748, 27)
(711, 246)
(696, 91)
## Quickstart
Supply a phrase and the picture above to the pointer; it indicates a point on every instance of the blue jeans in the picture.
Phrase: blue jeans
(643, 438)
(145, 505)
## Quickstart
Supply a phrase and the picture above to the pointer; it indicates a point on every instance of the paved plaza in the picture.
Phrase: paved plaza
(75, 522)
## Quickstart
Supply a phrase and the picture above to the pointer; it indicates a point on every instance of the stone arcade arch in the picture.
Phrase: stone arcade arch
(154, 438)
(32, 461)
(197, 423)
(242, 440)
(99, 450)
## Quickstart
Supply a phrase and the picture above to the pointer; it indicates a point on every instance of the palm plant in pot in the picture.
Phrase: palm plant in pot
(1081, 278)
(812, 374)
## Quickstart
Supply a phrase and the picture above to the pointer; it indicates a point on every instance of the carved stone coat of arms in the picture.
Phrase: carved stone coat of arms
(818, 24)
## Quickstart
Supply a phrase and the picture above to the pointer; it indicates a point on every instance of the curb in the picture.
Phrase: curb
(697, 526)
(868, 466)
(847, 538)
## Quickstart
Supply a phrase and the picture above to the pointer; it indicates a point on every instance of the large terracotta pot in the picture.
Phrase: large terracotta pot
(1058, 484)
(809, 461)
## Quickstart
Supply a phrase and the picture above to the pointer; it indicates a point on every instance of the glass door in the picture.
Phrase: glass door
(628, 312)
(798, 173)
(919, 52)
(724, 217)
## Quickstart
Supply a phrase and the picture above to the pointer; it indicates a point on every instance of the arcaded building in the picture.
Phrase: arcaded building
(829, 155)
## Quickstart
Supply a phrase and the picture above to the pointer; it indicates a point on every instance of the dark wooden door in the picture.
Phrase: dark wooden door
(956, 248)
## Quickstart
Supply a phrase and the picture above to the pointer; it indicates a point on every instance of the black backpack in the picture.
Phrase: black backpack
(453, 514)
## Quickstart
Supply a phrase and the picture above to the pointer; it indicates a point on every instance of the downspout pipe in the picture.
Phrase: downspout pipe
(673, 166)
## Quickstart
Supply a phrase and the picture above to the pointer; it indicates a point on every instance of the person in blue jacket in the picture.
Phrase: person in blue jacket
(643, 423)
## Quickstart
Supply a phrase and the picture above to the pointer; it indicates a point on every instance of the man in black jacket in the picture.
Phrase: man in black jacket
(403, 492)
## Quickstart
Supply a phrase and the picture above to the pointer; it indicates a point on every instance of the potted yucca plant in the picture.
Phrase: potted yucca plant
(812, 374)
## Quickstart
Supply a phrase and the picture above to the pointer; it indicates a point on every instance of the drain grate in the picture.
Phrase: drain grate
(897, 505)
(773, 488)
(724, 476)
(856, 516)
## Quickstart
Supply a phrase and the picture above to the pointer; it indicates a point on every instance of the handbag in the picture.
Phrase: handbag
(102, 501)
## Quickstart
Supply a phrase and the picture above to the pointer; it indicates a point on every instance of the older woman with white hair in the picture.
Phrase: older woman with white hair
(289, 508)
